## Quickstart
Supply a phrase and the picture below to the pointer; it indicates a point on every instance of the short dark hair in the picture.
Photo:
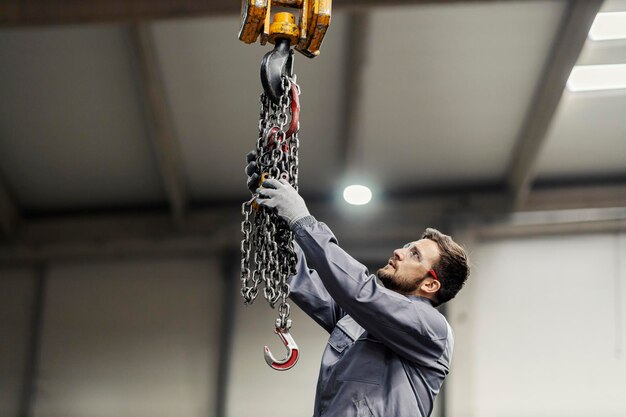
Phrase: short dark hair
(452, 269)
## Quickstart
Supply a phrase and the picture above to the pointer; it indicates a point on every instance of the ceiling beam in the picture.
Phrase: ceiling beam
(564, 53)
(46, 12)
(538, 223)
(9, 213)
(230, 270)
(161, 131)
(32, 356)
(208, 231)
(350, 149)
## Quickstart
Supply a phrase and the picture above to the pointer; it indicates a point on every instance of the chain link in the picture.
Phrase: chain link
(267, 253)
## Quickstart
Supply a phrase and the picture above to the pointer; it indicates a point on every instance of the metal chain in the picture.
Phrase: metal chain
(267, 253)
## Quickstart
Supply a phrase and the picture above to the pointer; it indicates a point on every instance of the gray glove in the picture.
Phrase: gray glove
(281, 196)
(252, 171)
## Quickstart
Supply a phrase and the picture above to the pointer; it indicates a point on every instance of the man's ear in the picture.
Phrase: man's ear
(430, 286)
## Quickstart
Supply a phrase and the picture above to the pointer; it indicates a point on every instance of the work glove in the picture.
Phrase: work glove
(281, 196)
(252, 171)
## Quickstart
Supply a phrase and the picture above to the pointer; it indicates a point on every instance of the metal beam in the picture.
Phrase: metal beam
(31, 369)
(45, 12)
(9, 213)
(355, 60)
(529, 224)
(160, 123)
(574, 197)
(229, 269)
(565, 50)
(209, 231)
(115, 236)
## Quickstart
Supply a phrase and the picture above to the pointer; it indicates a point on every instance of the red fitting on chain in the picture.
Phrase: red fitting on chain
(293, 126)
(295, 111)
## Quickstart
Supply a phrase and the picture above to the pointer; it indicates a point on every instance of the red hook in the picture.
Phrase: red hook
(292, 352)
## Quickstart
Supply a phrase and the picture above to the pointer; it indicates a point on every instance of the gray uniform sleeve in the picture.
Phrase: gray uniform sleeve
(308, 292)
(414, 330)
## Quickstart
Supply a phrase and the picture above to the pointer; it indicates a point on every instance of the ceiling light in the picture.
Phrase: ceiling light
(357, 194)
(608, 26)
(597, 77)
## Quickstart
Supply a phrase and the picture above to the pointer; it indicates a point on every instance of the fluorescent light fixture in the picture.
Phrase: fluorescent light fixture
(597, 77)
(357, 195)
(608, 26)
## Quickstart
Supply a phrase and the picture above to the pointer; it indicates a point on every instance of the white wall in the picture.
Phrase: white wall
(539, 332)
(141, 338)
(129, 338)
(540, 329)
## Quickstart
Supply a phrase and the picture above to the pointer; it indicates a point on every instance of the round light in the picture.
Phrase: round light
(357, 194)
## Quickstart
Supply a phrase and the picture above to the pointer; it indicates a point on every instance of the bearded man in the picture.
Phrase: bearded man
(389, 349)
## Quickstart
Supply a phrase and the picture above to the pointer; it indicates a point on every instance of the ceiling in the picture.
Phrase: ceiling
(459, 98)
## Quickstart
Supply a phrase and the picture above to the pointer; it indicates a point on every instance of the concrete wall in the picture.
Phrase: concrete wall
(540, 329)
(539, 332)
(141, 338)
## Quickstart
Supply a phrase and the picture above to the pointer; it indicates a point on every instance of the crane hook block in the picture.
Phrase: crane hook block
(253, 13)
(307, 35)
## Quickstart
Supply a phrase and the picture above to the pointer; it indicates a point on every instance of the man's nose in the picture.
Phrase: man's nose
(398, 254)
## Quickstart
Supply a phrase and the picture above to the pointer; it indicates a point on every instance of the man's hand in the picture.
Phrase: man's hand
(252, 171)
(281, 196)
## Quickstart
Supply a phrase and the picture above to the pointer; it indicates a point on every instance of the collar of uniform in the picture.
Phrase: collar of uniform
(420, 298)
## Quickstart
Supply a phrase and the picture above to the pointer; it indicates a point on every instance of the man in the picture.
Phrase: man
(389, 348)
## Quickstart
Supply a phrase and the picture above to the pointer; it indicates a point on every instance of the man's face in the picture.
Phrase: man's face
(409, 265)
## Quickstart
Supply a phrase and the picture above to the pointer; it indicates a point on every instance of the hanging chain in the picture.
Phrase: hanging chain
(267, 253)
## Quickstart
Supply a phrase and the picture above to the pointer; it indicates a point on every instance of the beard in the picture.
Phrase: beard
(397, 282)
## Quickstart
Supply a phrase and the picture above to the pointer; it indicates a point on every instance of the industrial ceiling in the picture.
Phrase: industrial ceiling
(124, 125)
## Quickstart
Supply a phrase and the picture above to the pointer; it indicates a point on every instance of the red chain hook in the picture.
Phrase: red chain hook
(292, 352)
